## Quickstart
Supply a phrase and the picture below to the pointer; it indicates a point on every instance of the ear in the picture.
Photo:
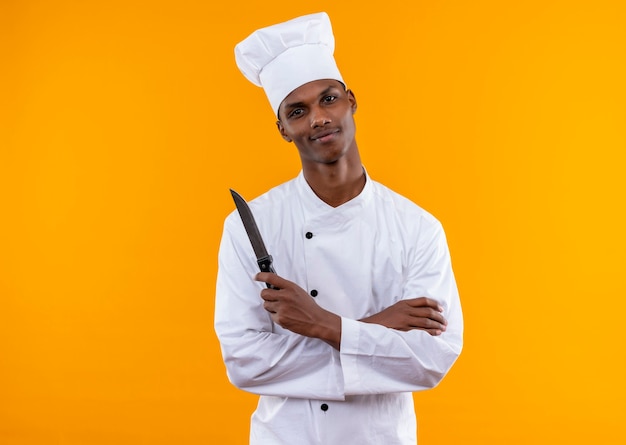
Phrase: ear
(281, 130)
(352, 99)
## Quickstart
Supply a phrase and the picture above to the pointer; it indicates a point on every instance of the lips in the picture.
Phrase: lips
(324, 135)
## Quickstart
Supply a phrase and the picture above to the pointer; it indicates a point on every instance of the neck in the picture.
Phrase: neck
(336, 183)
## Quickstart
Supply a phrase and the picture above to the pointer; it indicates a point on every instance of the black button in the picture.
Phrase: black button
(309, 235)
(314, 293)
(324, 407)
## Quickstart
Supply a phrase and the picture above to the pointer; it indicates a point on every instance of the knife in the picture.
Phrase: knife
(263, 258)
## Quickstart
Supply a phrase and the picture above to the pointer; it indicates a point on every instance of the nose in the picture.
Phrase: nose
(319, 118)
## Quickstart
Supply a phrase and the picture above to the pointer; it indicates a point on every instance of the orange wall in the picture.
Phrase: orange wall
(123, 124)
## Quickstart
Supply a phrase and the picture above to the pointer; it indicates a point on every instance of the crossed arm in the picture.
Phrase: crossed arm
(291, 307)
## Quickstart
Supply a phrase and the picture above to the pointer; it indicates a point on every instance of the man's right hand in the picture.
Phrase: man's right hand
(416, 313)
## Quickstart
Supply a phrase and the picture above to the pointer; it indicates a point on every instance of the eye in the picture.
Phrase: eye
(296, 112)
(329, 99)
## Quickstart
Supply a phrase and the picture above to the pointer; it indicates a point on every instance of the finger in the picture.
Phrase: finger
(427, 323)
(269, 295)
(273, 279)
(434, 332)
(426, 312)
(432, 327)
(269, 307)
(425, 302)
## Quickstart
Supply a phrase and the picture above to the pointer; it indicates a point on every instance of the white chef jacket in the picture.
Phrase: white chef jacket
(357, 259)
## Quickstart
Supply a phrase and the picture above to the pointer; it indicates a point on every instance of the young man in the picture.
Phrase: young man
(365, 309)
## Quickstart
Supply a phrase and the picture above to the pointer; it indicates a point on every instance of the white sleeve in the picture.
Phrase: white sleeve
(260, 356)
(376, 359)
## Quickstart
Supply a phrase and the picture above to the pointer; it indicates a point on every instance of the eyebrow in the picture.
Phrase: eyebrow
(300, 104)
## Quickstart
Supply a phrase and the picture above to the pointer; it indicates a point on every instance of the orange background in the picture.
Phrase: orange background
(123, 124)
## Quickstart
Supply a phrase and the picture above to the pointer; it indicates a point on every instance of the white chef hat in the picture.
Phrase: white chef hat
(282, 57)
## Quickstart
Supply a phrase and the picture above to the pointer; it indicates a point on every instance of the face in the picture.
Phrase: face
(318, 118)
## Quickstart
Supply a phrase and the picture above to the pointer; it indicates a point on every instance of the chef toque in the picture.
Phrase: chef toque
(283, 57)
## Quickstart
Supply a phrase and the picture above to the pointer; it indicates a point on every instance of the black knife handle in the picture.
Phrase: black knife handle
(265, 264)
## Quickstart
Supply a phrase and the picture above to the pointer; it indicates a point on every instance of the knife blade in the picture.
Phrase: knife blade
(263, 258)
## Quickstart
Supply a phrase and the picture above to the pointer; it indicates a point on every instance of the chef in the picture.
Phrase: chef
(363, 309)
